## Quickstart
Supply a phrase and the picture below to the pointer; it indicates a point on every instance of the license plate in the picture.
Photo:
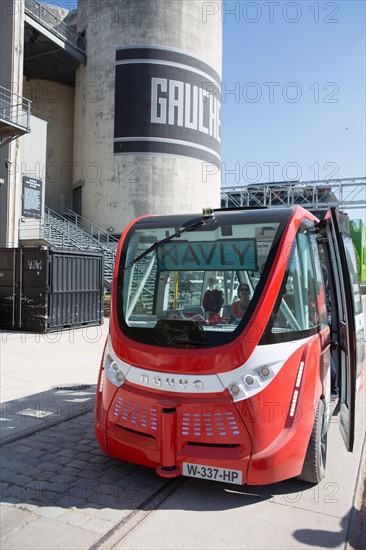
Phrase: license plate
(210, 472)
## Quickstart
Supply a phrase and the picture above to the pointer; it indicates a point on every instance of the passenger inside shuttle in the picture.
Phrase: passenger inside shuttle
(239, 307)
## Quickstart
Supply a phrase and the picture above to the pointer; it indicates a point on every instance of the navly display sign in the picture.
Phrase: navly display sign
(200, 256)
(166, 102)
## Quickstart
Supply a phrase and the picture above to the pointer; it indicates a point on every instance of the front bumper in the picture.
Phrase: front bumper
(146, 429)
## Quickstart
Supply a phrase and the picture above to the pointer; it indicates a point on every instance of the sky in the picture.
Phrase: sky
(298, 71)
(293, 91)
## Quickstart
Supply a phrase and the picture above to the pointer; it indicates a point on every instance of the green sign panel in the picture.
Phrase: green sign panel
(203, 256)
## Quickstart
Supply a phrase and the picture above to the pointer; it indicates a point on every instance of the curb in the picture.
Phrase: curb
(356, 532)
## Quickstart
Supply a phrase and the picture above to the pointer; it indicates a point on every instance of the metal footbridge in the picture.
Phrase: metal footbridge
(344, 193)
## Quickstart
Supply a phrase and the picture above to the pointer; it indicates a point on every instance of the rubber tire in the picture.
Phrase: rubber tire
(313, 469)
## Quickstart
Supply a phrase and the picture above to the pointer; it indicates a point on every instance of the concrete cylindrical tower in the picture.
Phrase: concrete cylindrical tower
(147, 109)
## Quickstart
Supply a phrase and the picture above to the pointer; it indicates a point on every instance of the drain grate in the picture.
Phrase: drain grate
(72, 387)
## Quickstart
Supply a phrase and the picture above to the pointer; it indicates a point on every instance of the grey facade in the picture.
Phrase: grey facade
(131, 94)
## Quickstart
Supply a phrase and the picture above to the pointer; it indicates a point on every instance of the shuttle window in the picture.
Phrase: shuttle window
(352, 268)
(297, 312)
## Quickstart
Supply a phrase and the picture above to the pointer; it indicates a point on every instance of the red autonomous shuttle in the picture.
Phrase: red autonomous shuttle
(199, 392)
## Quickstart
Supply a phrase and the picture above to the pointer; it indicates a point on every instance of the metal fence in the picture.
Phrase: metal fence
(15, 109)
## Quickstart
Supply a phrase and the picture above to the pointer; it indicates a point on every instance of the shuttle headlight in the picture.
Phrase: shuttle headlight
(249, 380)
(120, 377)
(101, 380)
(297, 389)
(265, 371)
(115, 369)
(235, 389)
(252, 380)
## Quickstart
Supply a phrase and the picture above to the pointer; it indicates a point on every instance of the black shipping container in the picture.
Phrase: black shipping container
(43, 289)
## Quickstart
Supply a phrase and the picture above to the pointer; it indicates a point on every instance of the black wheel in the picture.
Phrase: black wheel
(313, 469)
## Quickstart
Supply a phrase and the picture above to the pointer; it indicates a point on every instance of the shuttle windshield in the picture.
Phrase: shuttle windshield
(197, 284)
(179, 285)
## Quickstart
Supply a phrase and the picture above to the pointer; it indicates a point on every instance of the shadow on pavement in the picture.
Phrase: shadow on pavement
(63, 466)
(319, 538)
(41, 410)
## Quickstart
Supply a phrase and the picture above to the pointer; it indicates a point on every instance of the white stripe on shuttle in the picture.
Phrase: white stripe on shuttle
(211, 383)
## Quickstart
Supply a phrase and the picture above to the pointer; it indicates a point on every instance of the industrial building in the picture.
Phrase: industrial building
(112, 110)
(107, 112)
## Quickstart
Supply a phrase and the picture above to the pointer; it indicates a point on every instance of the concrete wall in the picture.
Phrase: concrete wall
(54, 103)
(116, 188)
(33, 146)
(11, 77)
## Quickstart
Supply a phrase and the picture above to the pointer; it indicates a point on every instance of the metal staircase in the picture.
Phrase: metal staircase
(146, 297)
(72, 231)
(45, 18)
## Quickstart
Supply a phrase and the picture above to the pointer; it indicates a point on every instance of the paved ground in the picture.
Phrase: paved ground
(59, 491)
(34, 363)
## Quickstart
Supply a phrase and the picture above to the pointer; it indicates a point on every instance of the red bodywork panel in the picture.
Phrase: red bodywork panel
(256, 435)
